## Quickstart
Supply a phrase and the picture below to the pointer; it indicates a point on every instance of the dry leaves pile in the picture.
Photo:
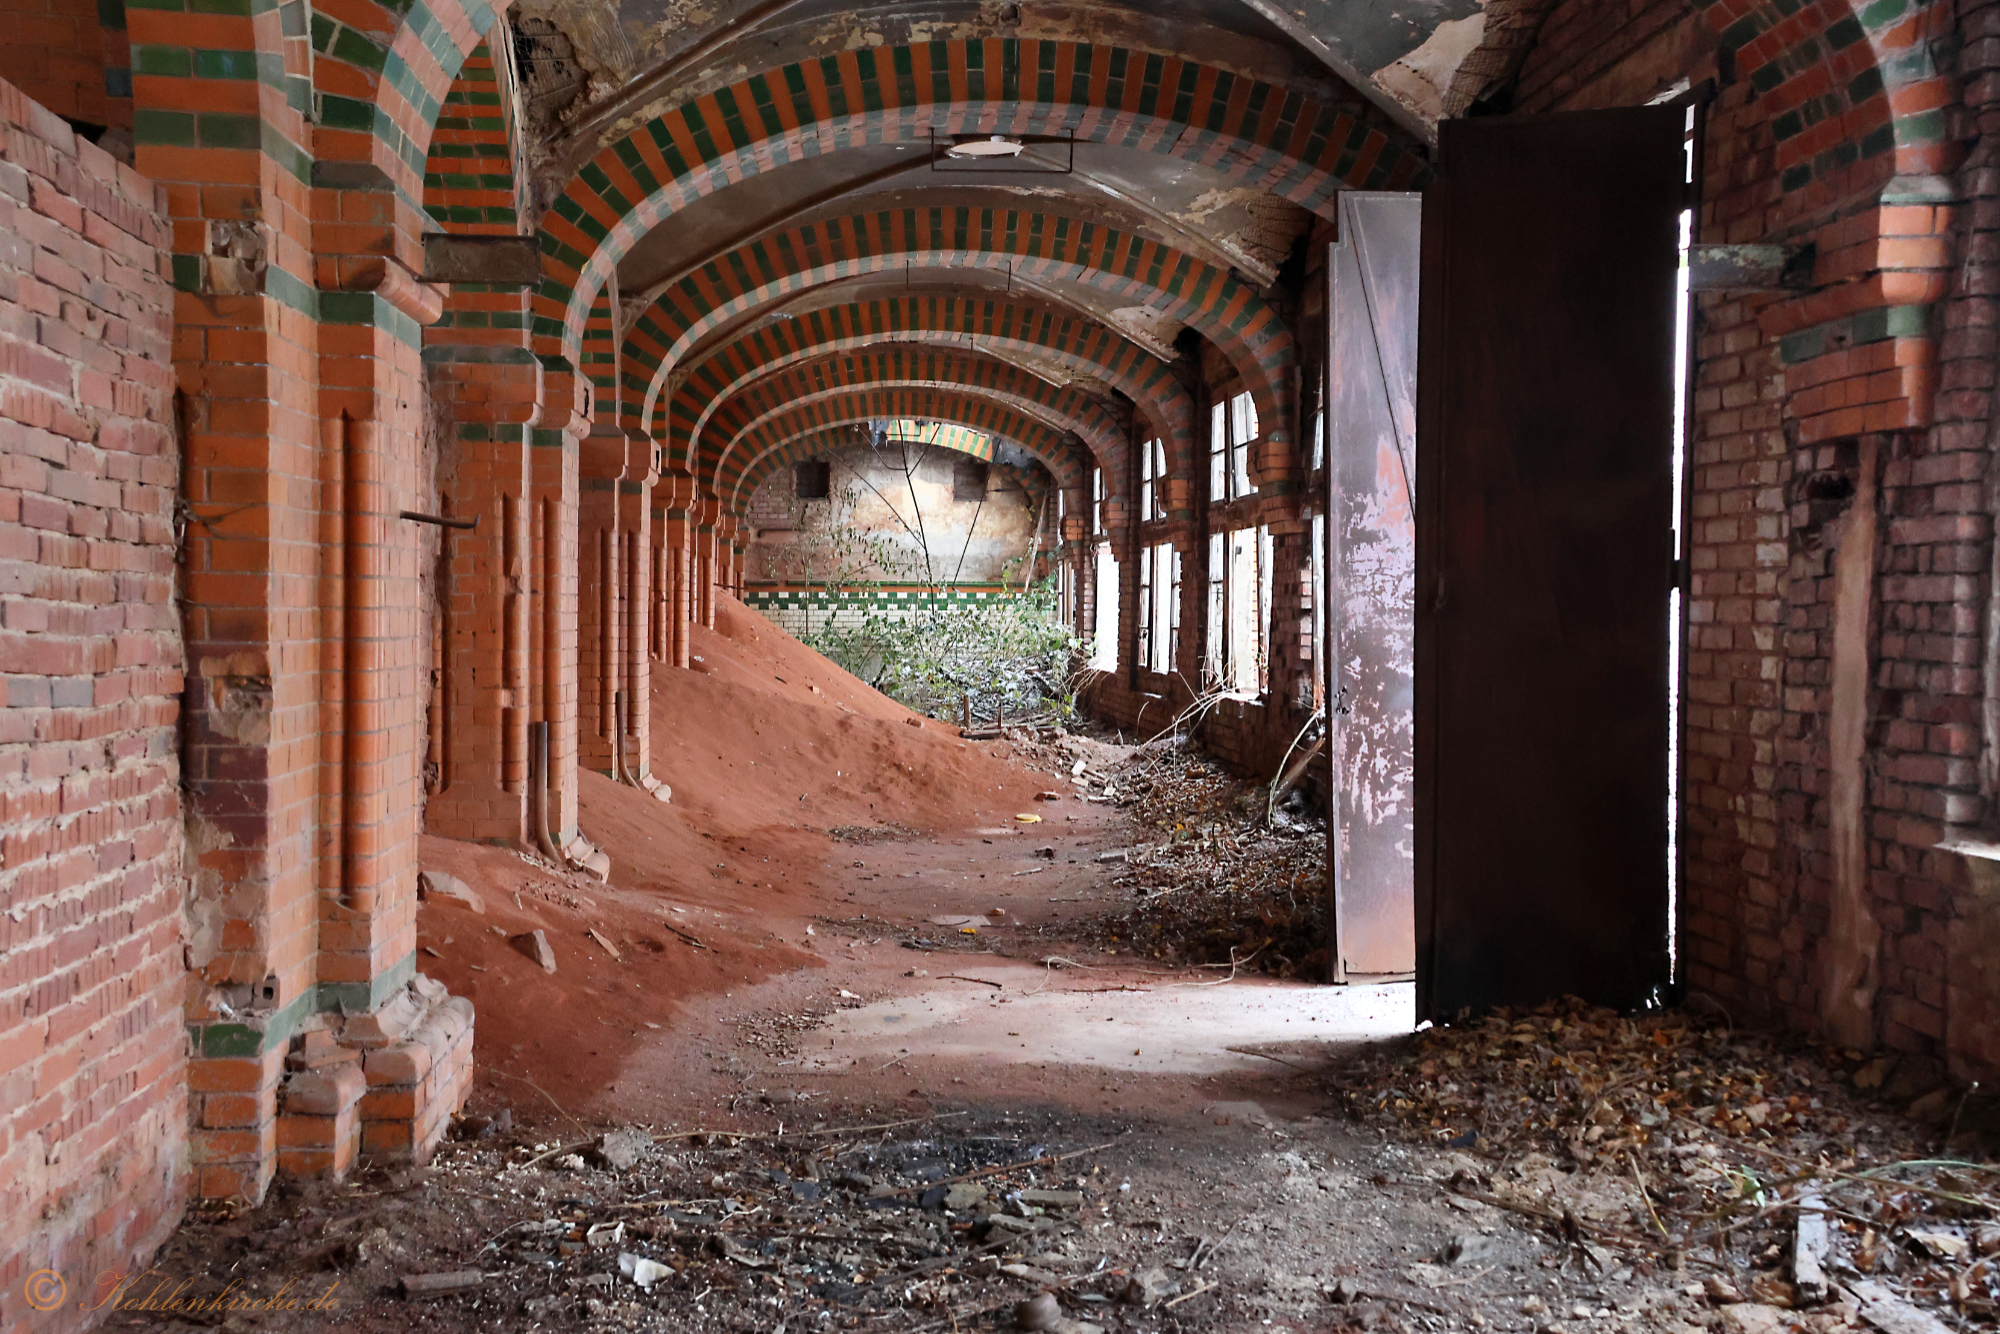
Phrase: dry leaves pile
(1671, 1142)
(1219, 886)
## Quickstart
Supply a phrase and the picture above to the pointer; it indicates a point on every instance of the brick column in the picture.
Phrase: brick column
(491, 395)
(705, 513)
(675, 494)
(555, 467)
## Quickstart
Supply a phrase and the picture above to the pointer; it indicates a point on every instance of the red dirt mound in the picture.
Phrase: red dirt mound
(768, 746)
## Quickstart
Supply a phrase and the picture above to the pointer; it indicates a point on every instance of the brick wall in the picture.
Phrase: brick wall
(93, 1140)
(71, 56)
(1841, 543)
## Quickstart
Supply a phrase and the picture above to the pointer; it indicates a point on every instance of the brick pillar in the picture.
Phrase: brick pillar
(635, 517)
(372, 392)
(254, 722)
(555, 465)
(491, 394)
(613, 553)
(675, 493)
(705, 513)
(1076, 555)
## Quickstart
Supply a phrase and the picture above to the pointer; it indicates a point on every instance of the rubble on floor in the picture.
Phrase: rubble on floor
(1781, 1182)
(1220, 876)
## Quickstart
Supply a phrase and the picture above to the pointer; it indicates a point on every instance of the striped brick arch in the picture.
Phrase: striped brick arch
(1253, 132)
(953, 438)
(1853, 93)
(947, 323)
(1066, 409)
(853, 406)
(1129, 269)
(383, 73)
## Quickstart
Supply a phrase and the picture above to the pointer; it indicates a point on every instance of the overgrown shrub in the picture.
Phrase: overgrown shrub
(1010, 654)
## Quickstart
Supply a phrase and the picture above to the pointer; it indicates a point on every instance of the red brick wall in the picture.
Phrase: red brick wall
(62, 54)
(1846, 425)
(93, 1138)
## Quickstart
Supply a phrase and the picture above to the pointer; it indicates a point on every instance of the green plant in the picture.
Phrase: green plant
(1011, 653)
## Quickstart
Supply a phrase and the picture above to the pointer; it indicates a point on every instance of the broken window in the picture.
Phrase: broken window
(968, 479)
(1314, 695)
(1239, 609)
(1159, 606)
(813, 479)
(1104, 637)
(1232, 428)
(1152, 480)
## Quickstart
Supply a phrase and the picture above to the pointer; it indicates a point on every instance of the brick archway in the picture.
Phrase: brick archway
(945, 323)
(846, 407)
(1121, 265)
(841, 374)
(1256, 133)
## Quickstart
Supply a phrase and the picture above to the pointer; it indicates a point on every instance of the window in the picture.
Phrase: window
(1152, 480)
(1097, 502)
(1104, 638)
(1315, 696)
(1319, 440)
(968, 480)
(1159, 606)
(1232, 429)
(1242, 431)
(813, 479)
(1239, 609)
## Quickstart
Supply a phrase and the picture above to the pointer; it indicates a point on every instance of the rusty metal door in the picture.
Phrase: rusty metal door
(1371, 580)
(1544, 483)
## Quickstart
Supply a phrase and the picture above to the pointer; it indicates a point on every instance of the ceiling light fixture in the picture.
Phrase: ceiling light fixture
(995, 145)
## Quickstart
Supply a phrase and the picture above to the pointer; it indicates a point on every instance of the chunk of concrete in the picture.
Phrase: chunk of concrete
(535, 944)
(623, 1148)
(438, 887)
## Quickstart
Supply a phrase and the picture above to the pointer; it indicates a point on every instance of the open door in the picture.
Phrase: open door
(1371, 427)
(1544, 560)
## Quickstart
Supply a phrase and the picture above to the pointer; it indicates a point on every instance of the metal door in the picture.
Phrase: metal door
(1371, 580)
(1544, 483)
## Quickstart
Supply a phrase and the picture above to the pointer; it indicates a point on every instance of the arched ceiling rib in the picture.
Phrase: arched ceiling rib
(978, 323)
(764, 199)
(840, 373)
(1120, 264)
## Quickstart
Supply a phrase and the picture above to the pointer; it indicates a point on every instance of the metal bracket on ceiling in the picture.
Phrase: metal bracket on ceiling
(943, 163)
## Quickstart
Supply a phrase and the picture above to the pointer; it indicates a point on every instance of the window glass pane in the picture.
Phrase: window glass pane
(1218, 453)
(1145, 607)
(1104, 635)
(1266, 581)
(1242, 575)
(1318, 610)
(1218, 583)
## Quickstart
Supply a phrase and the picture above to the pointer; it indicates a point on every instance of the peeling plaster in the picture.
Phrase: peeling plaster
(1420, 79)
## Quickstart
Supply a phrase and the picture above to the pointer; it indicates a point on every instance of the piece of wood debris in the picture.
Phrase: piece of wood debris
(1192, 1293)
(1809, 1248)
(440, 1285)
(692, 940)
(606, 945)
(1890, 1313)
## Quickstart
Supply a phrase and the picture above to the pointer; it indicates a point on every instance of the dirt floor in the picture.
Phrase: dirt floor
(859, 1036)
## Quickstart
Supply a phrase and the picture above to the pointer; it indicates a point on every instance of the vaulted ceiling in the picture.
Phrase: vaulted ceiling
(741, 196)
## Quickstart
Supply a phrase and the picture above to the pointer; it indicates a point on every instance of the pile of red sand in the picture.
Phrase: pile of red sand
(768, 746)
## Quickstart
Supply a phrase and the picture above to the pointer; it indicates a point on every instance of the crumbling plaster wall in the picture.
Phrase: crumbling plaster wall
(868, 528)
